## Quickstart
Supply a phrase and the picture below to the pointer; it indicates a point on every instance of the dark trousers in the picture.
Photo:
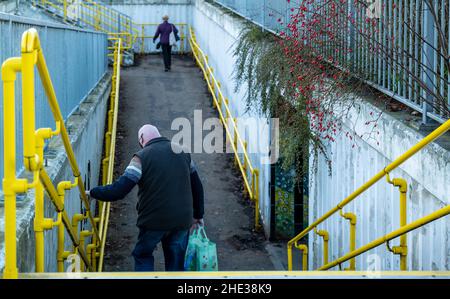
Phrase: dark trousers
(167, 55)
(174, 245)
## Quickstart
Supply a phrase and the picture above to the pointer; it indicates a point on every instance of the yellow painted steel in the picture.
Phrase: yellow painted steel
(11, 185)
(230, 125)
(39, 221)
(110, 147)
(395, 234)
(33, 144)
(402, 250)
(326, 237)
(352, 220)
(61, 253)
(304, 249)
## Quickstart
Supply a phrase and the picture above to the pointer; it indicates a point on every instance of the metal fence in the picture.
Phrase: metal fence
(77, 61)
(404, 53)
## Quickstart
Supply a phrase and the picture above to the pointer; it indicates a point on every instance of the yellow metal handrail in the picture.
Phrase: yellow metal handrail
(220, 102)
(33, 156)
(398, 182)
(33, 151)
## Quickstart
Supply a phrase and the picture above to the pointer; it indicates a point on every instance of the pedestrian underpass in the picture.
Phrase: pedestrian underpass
(228, 217)
(241, 204)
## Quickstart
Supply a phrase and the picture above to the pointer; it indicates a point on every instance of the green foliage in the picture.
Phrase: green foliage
(267, 75)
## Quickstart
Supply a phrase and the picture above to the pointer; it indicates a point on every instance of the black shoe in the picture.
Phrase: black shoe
(166, 70)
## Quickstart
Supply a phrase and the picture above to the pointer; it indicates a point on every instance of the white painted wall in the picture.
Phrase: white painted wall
(427, 174)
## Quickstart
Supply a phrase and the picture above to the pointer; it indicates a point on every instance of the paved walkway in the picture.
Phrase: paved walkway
(149, 95)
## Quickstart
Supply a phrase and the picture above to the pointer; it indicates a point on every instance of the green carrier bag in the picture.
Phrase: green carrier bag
(201, 253)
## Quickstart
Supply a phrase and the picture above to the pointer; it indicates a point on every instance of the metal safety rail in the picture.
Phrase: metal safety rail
(141, 35)
(33, 154)
(110, 145)
(93, 15)
(238, 144)
(405, 227)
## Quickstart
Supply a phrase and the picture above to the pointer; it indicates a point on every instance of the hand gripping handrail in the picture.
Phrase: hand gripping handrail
(33, 142)
(401, 250)
(221, 102)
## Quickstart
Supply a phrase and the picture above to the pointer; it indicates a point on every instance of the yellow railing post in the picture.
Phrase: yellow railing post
(227, 102)
(10, 183)
(255, 191)
(326, 237)
(31, 157)
(97, 19)
(65, 10)
(245, 160)
(83, 235)
(142, 39)
(403, 221)
(61, 253)
(235, 141)
(304, 249)
(401, 250)
(28, 108)
(219, 98)
(182, 37)
(352, 219)
(213, 86)
(289, 255)
(39, 219)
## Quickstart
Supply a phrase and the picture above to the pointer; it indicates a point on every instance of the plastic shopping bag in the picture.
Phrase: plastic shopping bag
(201, 253)
(173, 39)
(206, 254)
(190, 259)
